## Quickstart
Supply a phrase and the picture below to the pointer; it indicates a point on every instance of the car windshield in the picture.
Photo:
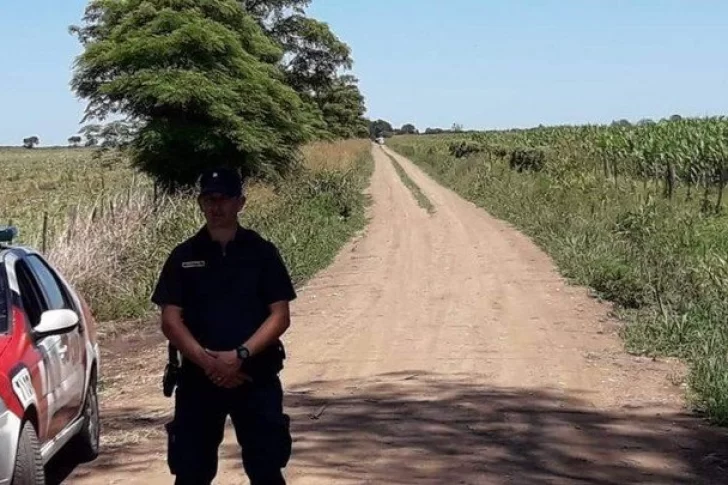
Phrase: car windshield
(3, 301)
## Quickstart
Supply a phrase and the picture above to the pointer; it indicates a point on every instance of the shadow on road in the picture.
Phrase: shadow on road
(419, 428)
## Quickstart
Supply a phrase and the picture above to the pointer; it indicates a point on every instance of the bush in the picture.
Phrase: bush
(528, 159)
(465, 148)
(499, 151)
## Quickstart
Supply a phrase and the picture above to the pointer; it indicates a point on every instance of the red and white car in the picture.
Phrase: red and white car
(49, 360)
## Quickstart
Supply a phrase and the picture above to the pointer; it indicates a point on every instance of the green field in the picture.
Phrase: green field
(634, 212)
(109, 233)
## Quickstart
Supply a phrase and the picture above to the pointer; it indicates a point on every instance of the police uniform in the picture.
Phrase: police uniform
(225, 295)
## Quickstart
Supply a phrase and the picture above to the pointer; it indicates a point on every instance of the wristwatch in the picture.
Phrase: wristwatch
(243, 353)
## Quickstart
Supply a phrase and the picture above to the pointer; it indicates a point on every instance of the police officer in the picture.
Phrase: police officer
(224, 296)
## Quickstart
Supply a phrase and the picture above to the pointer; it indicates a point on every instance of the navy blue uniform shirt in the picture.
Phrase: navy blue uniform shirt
(224, 295)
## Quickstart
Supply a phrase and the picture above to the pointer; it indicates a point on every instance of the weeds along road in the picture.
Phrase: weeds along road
(440, 348)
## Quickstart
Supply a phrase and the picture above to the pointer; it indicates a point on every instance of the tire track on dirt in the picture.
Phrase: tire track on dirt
(445, 348)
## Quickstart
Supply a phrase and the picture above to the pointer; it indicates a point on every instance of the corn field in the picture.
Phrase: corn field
(673, 153)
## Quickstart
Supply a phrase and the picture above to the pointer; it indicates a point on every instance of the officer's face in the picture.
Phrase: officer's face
(221, 211)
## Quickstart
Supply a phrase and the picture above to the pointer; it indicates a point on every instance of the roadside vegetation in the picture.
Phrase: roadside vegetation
(636, 212)
(109, 231)
(417, 193)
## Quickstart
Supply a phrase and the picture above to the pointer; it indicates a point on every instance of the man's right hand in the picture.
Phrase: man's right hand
(222, 374)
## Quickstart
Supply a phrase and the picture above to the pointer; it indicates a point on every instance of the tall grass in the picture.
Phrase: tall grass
(663, 263)
(111, 243)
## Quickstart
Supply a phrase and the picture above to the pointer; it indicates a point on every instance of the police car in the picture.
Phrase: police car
(49, 359)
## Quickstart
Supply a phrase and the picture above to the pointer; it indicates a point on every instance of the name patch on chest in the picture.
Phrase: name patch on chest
(193, 264)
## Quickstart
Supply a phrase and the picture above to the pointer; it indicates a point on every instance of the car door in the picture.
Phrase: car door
(65, 351)
(50, 365)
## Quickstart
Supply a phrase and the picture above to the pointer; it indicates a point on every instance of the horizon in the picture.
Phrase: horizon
(499, 66)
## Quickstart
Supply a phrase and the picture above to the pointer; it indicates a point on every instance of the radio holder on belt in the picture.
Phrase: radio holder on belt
(171, 371)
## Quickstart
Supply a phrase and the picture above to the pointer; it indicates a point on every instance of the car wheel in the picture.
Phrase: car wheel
(87, 440)
(29, 463)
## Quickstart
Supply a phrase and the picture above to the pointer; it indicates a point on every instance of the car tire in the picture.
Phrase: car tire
(86, 445)
(28, 463)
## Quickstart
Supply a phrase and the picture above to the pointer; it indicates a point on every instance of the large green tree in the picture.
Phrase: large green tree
(201, 78)
(315, 63)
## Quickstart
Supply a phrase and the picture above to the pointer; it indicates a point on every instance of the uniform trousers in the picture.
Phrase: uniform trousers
(196, 432)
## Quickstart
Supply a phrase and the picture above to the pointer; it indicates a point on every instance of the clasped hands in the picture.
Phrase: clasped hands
(223, 369)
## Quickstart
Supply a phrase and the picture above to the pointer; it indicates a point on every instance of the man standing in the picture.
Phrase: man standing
(224, 295)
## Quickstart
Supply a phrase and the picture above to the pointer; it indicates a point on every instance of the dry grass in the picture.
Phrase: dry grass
(106, 248)
(339, 155)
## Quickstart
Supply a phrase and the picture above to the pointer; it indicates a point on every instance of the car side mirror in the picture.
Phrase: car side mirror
(56, 322)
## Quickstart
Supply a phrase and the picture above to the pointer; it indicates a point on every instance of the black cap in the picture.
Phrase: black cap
(223, 181)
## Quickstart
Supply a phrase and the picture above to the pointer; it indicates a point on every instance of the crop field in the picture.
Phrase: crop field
(636, 212)
(56, 182)
(100, 221)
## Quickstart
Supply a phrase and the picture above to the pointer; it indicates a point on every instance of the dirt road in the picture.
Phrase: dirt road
(441, 349)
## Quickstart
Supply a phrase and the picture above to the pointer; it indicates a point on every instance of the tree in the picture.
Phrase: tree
(408, 129)
(380, 128)
(75, 141)
(200, 79)
(342, 107)
(624, 123)
(314, 62)
(31, 142)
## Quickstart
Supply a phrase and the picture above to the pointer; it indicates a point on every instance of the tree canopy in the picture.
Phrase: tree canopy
(408, 129)
(381, 128)
(314, 64)
(214, 82)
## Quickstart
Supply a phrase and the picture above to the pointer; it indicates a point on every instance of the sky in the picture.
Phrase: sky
(484, 64)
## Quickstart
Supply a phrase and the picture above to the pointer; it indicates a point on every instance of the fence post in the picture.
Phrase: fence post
(44, 240)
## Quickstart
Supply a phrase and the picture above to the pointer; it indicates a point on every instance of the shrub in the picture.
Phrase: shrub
(528, 159)
(465, 148)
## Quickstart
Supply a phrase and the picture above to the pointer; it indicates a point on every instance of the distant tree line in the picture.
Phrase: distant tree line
(242, 83)
(382, 128)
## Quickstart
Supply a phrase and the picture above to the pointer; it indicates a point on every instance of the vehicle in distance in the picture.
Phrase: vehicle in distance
(49, 358)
